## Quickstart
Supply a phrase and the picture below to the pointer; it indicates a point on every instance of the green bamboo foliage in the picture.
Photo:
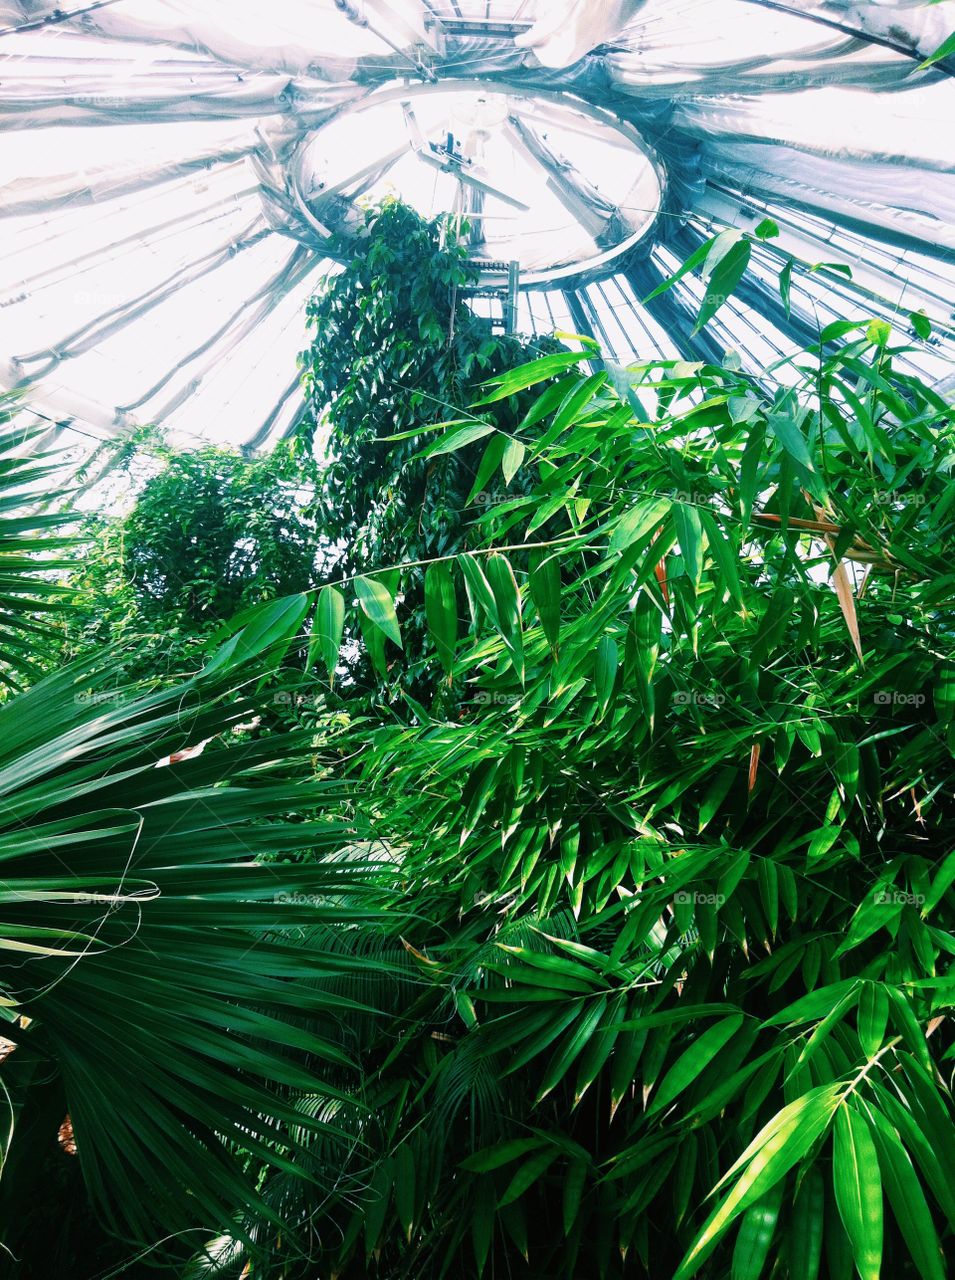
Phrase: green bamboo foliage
(675, 825)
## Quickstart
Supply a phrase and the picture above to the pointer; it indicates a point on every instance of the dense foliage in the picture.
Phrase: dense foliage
(677, 854)
(662, 992)
(154, 985)
(211, 532)
(396, 353)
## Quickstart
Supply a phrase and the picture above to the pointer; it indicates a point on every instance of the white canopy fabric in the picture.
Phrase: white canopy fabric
(171, 172)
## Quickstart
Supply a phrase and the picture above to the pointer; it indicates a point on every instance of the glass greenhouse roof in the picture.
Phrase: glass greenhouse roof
(173, 171)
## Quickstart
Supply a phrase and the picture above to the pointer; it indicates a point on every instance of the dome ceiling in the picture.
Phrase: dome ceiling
(174, 171)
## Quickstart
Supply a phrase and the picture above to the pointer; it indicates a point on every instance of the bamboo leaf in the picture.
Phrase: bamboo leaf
(872, 1017)
(858, 1190)
(906, 1198)
(378, 607)
(527, 1175)
(511, 461)
(808, 1223)
(605, 671)
(756, 1235)
(773, 1152)
(575, 1179)
(327, 630)
(945, 50)
(455, 440)
(507, 602)
(692, 1062)
(723, 282)
(441, 611)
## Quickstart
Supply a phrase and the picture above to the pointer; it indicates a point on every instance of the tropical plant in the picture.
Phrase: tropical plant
(396, 351)
(168, 959)
(32, 540)
(673, 833)
(210, 533)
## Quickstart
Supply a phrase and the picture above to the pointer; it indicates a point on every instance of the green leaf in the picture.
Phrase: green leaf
(756, 1235)
(374, 643)
(814, 1005)
(725, 554)
(908, 1024)
(807, 1227)
(945, 50)
(879, 332)
(377, 1207)
(271, 630)
(405, 1187)
(441, 611)
(507, 602)
(605, 671)
(455, 440)
(327, 630)
(786, 284)
(482, 1222)
(575, 1180)
(723, 282)
(500, 1154)
(511, 461)
(858, 1190)
(689, 1065)
(872, 1017)
(527, 1175)
(638, 521)
(944, 692)
(777, 1147)
(490, 461)
(766, 230)
(528, 375)
(791, 438)
(696, 259)
(921, 324)
(689, 533)
(377, 605)
(842, 269)
(570, 1050)
(905, 1195)
(544, 586)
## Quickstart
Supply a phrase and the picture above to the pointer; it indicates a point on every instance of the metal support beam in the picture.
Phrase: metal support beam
(673, 316)
(510, 305)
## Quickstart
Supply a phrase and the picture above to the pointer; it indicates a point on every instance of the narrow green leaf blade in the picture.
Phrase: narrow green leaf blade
(858, 1190)
(377, 605)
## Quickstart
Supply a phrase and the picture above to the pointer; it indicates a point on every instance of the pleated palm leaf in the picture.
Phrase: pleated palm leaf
(154, 978)
(32, 544)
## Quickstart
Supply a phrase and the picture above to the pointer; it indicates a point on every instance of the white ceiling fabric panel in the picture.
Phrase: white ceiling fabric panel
(569, 29)
(172, 171)
(920, 25)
